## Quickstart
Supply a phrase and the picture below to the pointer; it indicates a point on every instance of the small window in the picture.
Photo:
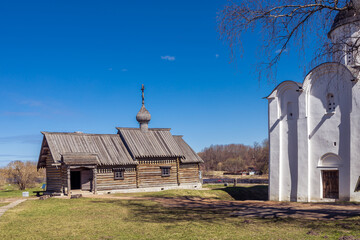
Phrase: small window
(118, 174)
(350, 54)
(330, 103)
(350, 59)
(290, 113)
(165, 171)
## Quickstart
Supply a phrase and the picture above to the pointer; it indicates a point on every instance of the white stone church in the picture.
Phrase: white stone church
(314, 126)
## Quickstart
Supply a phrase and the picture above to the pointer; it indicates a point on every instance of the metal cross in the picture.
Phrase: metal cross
(142, 90)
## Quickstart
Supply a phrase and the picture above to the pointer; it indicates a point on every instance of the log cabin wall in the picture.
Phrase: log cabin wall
(64, 178)
(150, 173)
(53, 175)
(105, 178)
(189, 173)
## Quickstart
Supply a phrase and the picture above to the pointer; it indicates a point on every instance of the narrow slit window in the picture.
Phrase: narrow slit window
(330, 103)
(290, 113)
(350, 54)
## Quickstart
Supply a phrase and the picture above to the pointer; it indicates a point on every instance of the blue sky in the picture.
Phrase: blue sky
(79, 65)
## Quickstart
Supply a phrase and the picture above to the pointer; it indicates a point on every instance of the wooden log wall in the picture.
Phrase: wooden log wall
(105, 178)
(189, 173)
(150, 173)
(53, 175)
(64, 178)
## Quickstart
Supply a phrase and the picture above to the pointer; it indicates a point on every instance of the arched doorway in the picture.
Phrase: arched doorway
(329, 164)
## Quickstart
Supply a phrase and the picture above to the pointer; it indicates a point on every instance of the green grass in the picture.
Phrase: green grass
(11, 191)
(87, 218)
(218, 191)
(3, 204)
(212, 194)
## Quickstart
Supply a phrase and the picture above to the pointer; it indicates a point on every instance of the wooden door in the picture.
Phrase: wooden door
(330, 179)
(86, 177)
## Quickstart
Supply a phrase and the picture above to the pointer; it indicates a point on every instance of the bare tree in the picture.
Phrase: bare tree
(281, 23)
(2, 177)
(24, 174)
(236, 157)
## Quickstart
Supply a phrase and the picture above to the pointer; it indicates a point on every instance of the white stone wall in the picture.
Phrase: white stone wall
(343, 38)
(313, 138)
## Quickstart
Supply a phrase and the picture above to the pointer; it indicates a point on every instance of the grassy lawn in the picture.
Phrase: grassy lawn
(3, 204)
(218, 191)
(11, 191)
(212, 194)
(87, 218)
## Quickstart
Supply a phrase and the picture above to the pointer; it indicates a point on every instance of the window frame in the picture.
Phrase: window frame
(121, 172)
(165, 171)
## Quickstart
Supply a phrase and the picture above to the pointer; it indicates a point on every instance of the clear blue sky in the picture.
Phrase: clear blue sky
(79, 65)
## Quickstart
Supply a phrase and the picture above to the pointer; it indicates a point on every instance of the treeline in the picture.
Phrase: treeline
(23, 174)
(236, 157)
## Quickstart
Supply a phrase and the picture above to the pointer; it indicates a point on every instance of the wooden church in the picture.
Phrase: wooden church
(134, 159)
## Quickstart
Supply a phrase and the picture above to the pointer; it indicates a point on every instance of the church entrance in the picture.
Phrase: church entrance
(330, 179)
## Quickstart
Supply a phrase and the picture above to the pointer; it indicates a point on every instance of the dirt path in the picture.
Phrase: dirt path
(262, 209)
(3, 209)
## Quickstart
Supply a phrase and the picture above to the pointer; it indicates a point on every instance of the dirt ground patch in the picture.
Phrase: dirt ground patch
(259, 209)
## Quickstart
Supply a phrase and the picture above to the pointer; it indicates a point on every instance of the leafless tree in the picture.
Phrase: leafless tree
(302, 24)
(236, 157)
(24, 174)
(2, 177)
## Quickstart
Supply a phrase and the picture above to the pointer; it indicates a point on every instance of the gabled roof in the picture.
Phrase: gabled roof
(190, 156)
(115, 149)
(156, 142)
(80, 158)
(108, 148)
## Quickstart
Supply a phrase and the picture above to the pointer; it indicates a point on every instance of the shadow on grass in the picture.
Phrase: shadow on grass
(205, 211)
(258, 192)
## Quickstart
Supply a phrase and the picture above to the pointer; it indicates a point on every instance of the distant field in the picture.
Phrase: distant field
(220, 174)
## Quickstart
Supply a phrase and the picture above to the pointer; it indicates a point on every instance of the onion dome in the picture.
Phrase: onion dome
(349, 15)
(143, 116)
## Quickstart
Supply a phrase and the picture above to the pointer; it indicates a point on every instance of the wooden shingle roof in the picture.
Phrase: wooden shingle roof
(108, 148)
(80, 158)
(190, 156)
(156, 142)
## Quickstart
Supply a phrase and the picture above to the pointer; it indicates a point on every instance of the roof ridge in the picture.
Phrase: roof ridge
(78, 133)
(150, 129)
